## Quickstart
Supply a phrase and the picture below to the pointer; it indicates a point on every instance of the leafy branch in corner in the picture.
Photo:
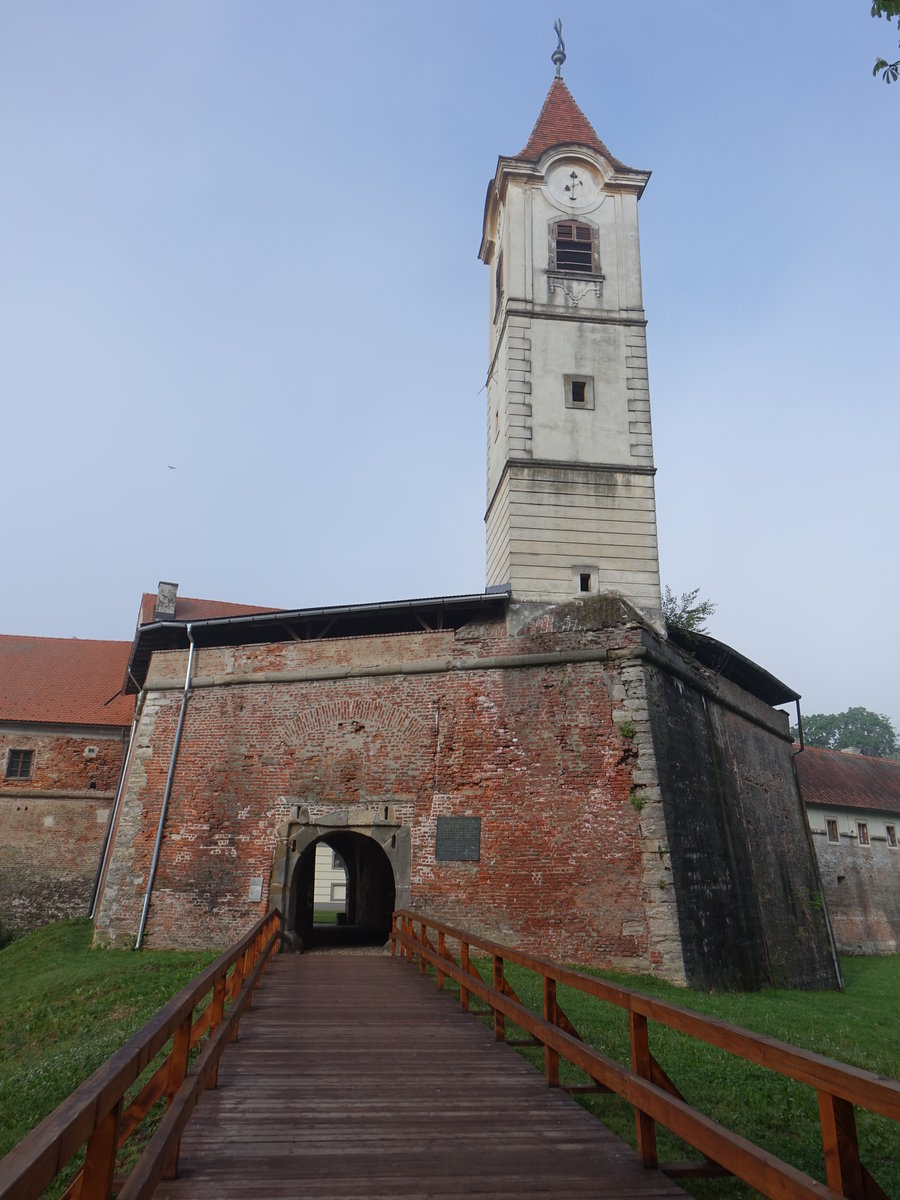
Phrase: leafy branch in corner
(686, 611)
(889, 9)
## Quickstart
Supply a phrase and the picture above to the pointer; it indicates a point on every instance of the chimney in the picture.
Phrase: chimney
(165, 602)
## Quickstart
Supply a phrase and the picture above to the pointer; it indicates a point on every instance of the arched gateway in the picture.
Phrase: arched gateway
(375, 849)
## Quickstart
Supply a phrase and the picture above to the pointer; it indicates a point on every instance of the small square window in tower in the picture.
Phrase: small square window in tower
(579, 391)
(574, 247)
(18, 764)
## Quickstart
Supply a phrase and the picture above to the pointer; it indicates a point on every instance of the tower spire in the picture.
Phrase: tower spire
(558, 57)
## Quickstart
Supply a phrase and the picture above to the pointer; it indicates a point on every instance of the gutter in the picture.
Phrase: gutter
(168, 792)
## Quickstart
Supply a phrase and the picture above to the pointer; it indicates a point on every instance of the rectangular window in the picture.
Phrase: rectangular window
(338, 892)
(831, 826)
(578, 391)
(584, 580)
(18, 764)
(891, 834)
(862, 830)
(574, 247)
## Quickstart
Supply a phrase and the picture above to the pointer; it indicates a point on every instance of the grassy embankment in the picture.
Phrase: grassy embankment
(65, 1008)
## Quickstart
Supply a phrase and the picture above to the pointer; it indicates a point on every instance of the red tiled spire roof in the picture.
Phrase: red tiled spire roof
(65, 681)
(562, 121)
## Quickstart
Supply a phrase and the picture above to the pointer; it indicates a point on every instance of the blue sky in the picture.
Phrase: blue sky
(239, 239)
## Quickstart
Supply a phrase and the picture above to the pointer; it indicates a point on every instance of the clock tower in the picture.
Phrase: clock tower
(571, 509)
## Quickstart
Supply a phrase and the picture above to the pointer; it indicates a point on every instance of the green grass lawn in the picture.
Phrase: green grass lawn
(860, 1026)
(322, 917)
(65, 1008)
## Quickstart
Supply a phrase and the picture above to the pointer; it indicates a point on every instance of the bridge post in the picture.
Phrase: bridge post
(442, 953)
(178, 1064)
(215, 1020)
(237, 982)
(551, 1057)
(499, 1017)
(843, 1168)
(100, 1159)
(642, 1064)
(464, 963)
(250, 956)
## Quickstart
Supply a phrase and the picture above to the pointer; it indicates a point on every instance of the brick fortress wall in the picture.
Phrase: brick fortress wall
(544, 734)
(52, 824)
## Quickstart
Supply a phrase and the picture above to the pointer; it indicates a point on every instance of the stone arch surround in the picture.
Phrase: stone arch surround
(304, 828)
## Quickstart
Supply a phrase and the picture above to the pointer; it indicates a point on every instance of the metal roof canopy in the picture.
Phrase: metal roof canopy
(311, 624)
(730, 664)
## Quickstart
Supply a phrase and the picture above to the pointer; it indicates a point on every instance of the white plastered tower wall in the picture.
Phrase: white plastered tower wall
(570, 499)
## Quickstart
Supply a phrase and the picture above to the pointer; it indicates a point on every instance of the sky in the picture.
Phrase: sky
(244, 329)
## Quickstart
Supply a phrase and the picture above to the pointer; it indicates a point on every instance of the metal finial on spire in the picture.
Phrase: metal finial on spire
(558, 57)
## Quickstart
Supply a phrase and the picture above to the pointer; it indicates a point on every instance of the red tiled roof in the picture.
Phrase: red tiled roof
(64, 681)
(188, 609)
(836, 780)
(562, 121)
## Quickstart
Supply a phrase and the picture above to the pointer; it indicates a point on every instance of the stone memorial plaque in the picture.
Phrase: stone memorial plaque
(256, 882)
(457, 839)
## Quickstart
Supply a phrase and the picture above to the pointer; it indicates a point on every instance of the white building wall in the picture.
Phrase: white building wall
(330, 893)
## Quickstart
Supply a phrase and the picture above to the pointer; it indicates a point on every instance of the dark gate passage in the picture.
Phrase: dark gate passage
(371, 894)
(354, 1077)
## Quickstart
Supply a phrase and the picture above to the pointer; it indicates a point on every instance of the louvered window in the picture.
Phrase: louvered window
(574, 247)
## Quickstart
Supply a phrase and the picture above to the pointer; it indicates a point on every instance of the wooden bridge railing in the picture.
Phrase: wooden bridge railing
(646, 1086)
(97, 1113)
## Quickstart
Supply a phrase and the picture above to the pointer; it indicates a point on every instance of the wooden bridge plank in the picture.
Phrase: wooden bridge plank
(354, 1077)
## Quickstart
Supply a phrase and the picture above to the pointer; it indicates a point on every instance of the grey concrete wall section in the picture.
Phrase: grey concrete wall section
(862, 890)
(749, 899)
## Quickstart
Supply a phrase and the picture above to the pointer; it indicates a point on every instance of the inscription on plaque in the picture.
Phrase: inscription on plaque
(255, 893)
(457, 839)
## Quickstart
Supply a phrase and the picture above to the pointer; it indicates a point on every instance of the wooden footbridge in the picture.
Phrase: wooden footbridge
(348, 1075)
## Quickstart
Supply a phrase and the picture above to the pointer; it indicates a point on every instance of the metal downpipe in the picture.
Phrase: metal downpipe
(168, 792)
(835, 957)
(114, 812)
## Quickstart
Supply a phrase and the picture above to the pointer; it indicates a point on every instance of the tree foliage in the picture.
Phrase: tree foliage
(857, 729)
(686, 611)
(890, 10)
